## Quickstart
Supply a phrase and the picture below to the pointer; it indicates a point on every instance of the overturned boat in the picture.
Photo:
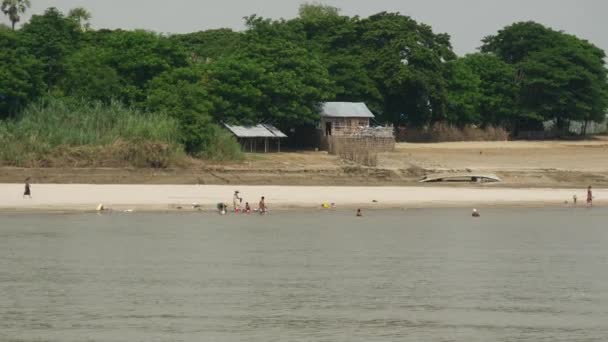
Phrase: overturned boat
(461, 177)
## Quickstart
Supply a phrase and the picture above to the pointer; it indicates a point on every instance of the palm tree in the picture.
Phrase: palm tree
(14, 8)
(81, 16)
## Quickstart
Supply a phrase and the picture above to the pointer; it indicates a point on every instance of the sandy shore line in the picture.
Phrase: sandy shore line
(85, 197)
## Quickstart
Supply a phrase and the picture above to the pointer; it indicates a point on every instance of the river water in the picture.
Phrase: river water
(415, 275)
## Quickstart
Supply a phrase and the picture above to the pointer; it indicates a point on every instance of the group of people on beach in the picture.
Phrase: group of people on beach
(237, 202)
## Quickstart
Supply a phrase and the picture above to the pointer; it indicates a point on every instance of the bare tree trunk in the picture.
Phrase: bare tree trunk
(584, 128)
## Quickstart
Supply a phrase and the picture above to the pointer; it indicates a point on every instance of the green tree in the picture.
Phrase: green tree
(561, 77)
(464, 94)
(82, 17)
(316, 10)
(51, 37)
(235, 87)
(181, 93)
(273, 79)
(138, 57)
(209, 45)
(88, 75)
(20, 75)
(13, 9)
(499, 88)
(565, 83)
(336, 38)
(407, 61)
(514, 43)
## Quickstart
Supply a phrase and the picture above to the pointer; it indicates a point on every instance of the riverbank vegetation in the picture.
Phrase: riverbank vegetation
(175, 91)
(64, 131)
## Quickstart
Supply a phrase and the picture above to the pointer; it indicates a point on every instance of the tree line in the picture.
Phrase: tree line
(279, 71)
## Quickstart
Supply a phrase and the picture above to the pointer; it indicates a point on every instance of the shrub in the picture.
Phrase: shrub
(220, 145)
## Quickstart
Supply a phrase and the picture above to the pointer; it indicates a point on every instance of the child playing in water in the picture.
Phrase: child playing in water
(262, 206)
(247, 208)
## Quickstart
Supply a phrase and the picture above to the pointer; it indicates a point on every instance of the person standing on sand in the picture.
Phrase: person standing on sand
(589, 196)
(28, 190)
(262, 206)
(236, 201)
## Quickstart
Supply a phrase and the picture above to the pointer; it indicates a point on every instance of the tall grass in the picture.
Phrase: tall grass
(68, 132)
(78, 122)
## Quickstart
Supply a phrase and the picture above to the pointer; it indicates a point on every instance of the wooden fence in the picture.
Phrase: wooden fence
(360, 149)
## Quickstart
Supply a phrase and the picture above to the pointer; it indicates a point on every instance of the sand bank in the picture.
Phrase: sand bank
(83, 197)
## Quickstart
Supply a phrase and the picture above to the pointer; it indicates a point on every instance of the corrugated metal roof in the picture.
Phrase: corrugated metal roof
(345, 110)
(275, 131)
(257, 131)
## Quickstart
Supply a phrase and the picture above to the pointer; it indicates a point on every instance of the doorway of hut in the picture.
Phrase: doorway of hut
(328, 128)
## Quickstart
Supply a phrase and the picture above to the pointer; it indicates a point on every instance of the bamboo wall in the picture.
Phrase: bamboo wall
(360, 149)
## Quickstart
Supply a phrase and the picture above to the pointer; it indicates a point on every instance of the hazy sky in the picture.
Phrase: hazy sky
(467, 21)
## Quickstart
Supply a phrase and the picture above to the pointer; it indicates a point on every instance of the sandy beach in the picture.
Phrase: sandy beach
(544, 173)
(85, 197)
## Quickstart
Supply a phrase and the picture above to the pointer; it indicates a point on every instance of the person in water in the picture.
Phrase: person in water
(236, 201)
(475, 213)
(359, 213)
(262, 206)
(247, 208)
(221, 208)
(589, 196)
(28, 190)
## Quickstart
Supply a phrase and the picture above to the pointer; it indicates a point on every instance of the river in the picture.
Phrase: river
(410, 275)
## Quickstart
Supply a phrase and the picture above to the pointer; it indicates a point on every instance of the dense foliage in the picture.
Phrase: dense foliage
(54, 128)
(559, 76)
(279, 71)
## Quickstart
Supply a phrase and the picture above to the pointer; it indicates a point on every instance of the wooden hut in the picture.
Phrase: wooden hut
(344, 129)
(344, 118)
(261, 135)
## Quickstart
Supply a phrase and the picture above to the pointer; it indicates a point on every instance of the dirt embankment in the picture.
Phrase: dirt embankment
(519, 164)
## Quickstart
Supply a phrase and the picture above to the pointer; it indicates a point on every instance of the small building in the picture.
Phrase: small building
(345, 129)
(344, 118)
(250, 137)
